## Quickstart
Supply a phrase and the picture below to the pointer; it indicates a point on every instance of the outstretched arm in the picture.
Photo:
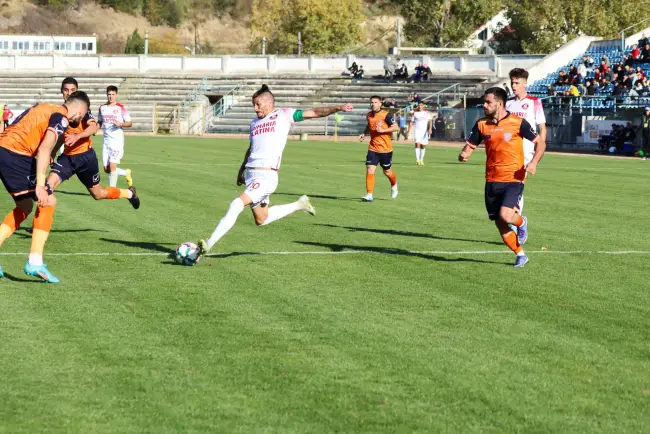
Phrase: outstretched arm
(321, 112)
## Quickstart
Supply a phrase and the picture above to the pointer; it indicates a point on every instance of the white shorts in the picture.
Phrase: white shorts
(112, 152)
(421, 137)
(529, 151)
(260, 184)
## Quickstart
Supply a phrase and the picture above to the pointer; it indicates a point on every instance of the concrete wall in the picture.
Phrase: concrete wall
(214, 65)
(559, 58)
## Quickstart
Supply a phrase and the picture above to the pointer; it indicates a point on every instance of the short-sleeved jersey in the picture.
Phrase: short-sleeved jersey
(108, 115)
(504, 146)
(421, 121)
(82, 145)
(529, 108)
(268, 137)
(25, 135)
(380, 142)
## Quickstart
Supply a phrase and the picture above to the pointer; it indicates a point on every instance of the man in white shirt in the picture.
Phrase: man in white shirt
(113, 117)
(422, 125)
(530, 108)
(259, 171)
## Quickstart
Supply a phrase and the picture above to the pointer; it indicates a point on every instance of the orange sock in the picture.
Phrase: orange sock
(11, 222)
(113, 193)
(43, 220)
(511, 240)
(519, 220)
(392, 178)
(370, 182)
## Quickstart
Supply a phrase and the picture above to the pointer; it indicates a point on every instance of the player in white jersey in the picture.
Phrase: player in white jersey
(422, 127)
(530, 108)
(113, 117)
(259, 171)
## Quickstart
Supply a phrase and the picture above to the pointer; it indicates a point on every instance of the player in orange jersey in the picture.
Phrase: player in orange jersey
(79, 157)
(25, 149)
(503, 134)
(380, 125)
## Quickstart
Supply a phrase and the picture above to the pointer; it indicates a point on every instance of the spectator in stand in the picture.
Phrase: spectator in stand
(597, 74)
(619, 89)
(582, 70)
(401, 73)
(573, 71)
(560, 79)
(359, 74)
(628, 60)
(417, 76)
(645, 54)
(426, 73)
(644, 40)
(353, 69)
(604, 59)
(635, 53)
(389, 103)
(573, 91)
(414, 98)
(589, 88)
(6, 116)
(640, 73)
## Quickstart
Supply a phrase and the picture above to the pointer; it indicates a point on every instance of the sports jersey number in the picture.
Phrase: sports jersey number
(255, 186)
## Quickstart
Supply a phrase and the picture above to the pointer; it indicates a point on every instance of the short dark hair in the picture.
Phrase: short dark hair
(111, 89)
(519, 73)
(377, 97)
(262, 90)
(69, 80)
(498, 93)
(79, 96)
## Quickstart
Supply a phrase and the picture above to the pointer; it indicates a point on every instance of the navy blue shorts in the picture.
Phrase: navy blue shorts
(502, 194)
(18, 173)
(385, 159)
(83, 165)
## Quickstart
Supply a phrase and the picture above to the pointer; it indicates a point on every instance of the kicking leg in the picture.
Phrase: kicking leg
(226, 223)
(265, 215)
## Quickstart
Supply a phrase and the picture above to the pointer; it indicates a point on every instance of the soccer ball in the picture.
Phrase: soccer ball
(188, 254)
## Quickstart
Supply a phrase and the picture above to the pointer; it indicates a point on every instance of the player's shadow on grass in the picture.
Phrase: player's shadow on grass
(72, 193)
(156, 247)
(319, 196)
(408, 234)
(13, 278)
(393, 251)
(24, 233)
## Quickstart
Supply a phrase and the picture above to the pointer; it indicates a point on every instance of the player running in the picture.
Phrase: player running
(530, 108)
(259, 171)
(422, 123)
(380, 125)
(79, 157)
(505, 170)
(25, 149)
(113, 117)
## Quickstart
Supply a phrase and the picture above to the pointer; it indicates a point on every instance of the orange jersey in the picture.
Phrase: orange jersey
(380, 142)
(81, 145)
(25, 135)
(504, 146)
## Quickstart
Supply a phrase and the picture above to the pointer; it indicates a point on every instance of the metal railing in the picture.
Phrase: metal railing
(452, 90)
(181, 110)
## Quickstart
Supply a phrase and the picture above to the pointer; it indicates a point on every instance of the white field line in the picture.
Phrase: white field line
(358, 252)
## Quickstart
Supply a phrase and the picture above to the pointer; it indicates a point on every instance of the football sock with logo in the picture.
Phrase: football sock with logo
(11, 222)
(370, 182)
(43, 220)
(227, 222)
(279, 211)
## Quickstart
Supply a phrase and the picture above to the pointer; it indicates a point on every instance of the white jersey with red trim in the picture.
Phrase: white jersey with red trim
(268, 137)
(108, 115)
(531, 109)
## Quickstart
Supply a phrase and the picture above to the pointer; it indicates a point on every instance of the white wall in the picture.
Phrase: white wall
(633, 39)
(214, 65)
(559, 58)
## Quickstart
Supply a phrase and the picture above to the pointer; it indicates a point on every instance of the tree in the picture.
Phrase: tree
(326, 26)
(135, 44)
(445, 23)
(57, 5)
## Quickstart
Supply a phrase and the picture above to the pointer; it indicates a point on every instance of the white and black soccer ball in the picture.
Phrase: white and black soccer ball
(188, 254)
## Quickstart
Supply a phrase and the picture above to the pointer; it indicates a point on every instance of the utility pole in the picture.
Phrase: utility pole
(398, 34)
(146, 43)
(263, 45)
(299, 44)
(196, 39)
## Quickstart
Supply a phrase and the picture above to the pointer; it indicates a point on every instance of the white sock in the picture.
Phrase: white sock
(422, 154)
(112, 179)
(227, 222)
(35, 259)
(417, 154)
(121, 172)
(521, 253)
(279, 211)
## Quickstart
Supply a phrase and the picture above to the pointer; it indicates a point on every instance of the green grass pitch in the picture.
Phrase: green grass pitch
(422, 326)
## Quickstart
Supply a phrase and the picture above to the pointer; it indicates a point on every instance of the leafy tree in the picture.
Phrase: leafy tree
(57, 5)
(135, 44)
(326, 26)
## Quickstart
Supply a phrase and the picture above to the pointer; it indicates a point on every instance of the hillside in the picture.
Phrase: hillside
(224, 35)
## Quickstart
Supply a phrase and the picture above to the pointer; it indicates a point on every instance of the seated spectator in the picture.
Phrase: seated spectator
(426, 73)
(573, 90)
(402, 73)
(389, 103)
(582, 70)
(414, 98)
(640, 73)
(619, 89)
(577, 79)
(417, 76)
(560, 79)
(644, 40)
(635, 53)
(628, 60)
(573, 72)
(597, 74)
(605, 59)
(353, 69)
(359, 74)
(589, 88)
